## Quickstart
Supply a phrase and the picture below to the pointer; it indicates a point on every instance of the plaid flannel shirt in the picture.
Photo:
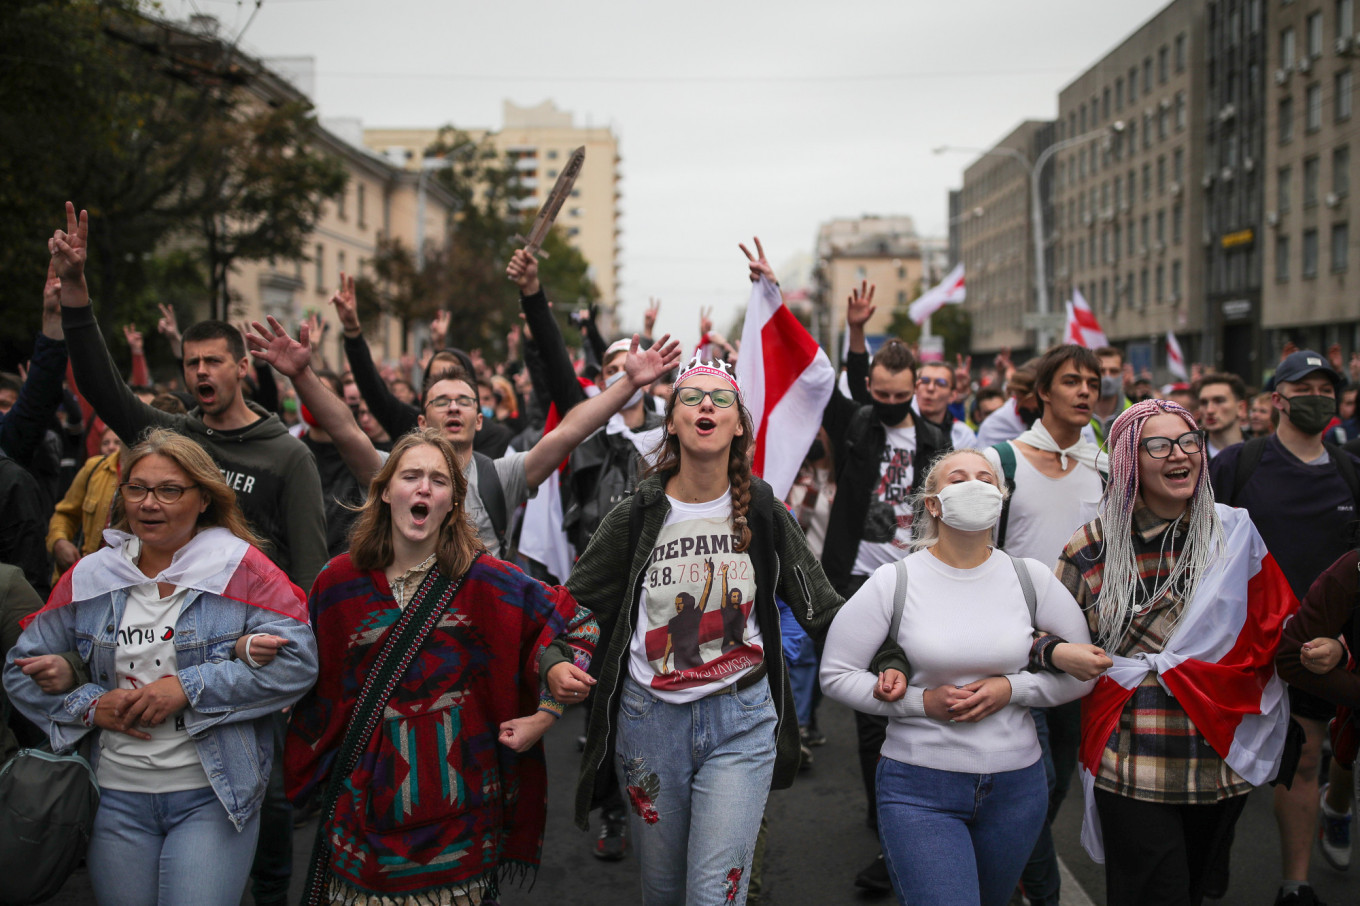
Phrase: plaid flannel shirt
(1155, 754)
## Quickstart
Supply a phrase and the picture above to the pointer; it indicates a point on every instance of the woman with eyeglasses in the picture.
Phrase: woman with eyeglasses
(1183, 596)
(193, 640)
(693, 701)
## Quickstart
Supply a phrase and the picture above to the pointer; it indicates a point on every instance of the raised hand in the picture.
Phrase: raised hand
(512, 341)
(646, 365)
(70, 246)
(52, 289)
(347, 305)
(134, 338)
(649, 316)
(1290, 347)
(439, 329)
(316, 328)
(705, 320)
(289, 357)
(860, 306)
(760, 266)
(523, 272)
(1355, 367)
(1334, 356)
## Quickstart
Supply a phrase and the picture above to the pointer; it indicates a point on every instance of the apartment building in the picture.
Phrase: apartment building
(992, 222)
(539, 139)
(1308, 289)
(1126, 193)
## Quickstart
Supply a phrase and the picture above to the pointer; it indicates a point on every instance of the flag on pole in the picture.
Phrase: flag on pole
(949, 291)
(1219, 665)
(786, 380)
(1175, 359)
(1082, 326)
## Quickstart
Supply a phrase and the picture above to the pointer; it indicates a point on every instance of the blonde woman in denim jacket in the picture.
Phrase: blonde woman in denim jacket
(192, 638)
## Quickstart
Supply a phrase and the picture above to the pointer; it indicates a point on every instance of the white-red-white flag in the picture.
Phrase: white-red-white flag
(1219, 665)
(1175, 359)
(786, 380)
(1082, 326)
(949, 291)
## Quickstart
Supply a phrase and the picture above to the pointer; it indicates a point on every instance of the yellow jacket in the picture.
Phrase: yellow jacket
(83, 513)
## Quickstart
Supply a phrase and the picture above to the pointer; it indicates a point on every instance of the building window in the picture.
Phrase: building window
(1175, 280)
(1131, 239)
(1180, 52)
(339, 267)
(1147, 131)
(1313, 26)
(1081, 117)
(1133, 134)
(1341, 240)
(1132, 185)
(1163, 64)
(1287, 48)
(1342, 100)
(1161, 227)
(1143, 287)
(1345, 18)
(1119, 93)
(359, 203)
(319, 278)
(1161, 175)
(1312, 97)
(1310, 254)
(1147, 75)
(1180, 110)
(552, 154)
(1161, 284)
(1312, 169)
(1147, 181)
(1283, 194)
(1163, 123)
(1115, 244)
(1281, 259)
(1118, 192)
(1341, 171)
(1105, 104)
(1133, 84)
(1144, 228)
(340, 203)
(1177, 224)
(1286, 121)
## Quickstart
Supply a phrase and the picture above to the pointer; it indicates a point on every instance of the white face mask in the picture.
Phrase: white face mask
(970, 506)
(615, 378)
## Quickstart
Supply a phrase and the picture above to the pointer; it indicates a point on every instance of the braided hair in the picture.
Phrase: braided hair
(1121, 584)
(665, 461)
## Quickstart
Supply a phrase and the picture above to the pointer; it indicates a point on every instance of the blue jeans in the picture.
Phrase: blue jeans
(169, 849)
(803, 671)
(695, 778)
(951, 837)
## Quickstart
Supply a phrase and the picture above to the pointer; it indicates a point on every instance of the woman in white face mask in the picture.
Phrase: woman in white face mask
(961, 787)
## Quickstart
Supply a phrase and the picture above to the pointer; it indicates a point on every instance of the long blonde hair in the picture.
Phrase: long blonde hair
(370, 538)
(194, 461)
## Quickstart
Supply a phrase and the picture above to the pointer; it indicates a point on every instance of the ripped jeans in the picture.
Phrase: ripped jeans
(695, 778)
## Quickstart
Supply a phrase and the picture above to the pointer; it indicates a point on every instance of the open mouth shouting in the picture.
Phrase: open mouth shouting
(206, 393)
(705, 425)
(420, 512)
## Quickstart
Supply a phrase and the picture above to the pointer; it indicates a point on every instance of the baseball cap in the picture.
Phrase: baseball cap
(1298, 365)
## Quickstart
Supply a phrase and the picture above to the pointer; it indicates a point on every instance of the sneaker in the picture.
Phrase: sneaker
(1304, 896)
(804, 757)
(1334, 833)
(811, 737)
(874, 878)
(613, 842)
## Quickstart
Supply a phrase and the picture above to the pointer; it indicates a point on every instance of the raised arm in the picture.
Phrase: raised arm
(23, 427)
(395, 416)
(292, 358)
(642, 367)
(563, 389)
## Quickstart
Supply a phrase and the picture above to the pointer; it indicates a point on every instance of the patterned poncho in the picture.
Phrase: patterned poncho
(436, 805)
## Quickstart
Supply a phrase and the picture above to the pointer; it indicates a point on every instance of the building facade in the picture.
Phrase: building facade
(1129, 233)
(883, 251)
(1308, 290)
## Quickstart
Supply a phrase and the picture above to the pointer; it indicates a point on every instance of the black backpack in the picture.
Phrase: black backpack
(493, 498)
(1254, 449)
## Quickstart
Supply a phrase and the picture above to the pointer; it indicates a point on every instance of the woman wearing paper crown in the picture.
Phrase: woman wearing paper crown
(193, 639)
(693, 703)
(1190, 605)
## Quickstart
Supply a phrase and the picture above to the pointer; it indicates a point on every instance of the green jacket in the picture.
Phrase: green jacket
(607, 578)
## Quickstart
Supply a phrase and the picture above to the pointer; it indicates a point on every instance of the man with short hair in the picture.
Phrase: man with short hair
(1222, 410)
(934, 392)
(1302, 494)
(1054, 475)
(1112, 400)
(367, 423)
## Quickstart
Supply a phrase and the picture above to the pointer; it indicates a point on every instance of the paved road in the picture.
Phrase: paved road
(818, 841)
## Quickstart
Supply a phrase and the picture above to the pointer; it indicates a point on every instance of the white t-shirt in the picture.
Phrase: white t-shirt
(895, 477)
(696, 630)
(1045, 511)
(146, 653)
(958, 626)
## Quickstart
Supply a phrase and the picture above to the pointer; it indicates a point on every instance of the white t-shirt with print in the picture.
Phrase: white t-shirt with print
(696, 630)
(146, 653)
(895, 477)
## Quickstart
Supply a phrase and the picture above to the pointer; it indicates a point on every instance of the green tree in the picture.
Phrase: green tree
(951, 322)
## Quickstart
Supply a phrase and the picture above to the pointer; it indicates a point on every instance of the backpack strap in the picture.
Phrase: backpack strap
(1247, 461)
(1006, 453)
(1346, 467)
(492, 492)
(899, 601)
(1026, 586)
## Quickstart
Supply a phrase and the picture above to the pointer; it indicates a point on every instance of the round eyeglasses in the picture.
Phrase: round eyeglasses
(1191, 442)
(693, 396)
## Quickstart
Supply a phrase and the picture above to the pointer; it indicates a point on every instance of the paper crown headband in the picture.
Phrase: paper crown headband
(714, 367)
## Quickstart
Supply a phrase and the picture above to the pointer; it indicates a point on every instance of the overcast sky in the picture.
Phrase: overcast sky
(733, 119)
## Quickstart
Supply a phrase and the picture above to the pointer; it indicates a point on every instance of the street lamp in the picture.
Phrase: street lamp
(1036, 169)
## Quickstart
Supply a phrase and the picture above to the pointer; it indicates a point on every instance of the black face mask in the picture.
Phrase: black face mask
(892, 414)
(817, 451)
(1311, 413)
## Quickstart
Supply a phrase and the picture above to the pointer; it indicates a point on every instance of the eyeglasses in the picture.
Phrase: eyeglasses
(941, 382)
(693, 396)
(440, 403)
(1190, 442)
(165, 493)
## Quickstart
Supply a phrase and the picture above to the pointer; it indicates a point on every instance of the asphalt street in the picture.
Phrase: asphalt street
(818, 841)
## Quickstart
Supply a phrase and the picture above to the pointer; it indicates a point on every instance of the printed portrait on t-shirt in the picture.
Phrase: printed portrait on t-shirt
(698, 596)
(895, 477)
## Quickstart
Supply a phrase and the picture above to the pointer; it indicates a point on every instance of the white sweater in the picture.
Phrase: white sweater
(958, 626)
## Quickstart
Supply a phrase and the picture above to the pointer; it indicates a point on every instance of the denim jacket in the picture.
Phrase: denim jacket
(228, 700)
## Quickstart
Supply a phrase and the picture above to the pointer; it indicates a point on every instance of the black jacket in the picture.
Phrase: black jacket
(857, 439)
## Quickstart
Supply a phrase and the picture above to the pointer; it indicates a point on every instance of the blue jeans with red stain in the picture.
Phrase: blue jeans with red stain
(695, 778)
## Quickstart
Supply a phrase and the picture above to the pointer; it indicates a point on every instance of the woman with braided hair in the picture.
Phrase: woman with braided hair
(697, 737)
(1188, 603)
